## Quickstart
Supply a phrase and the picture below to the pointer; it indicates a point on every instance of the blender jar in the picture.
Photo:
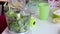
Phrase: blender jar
(18, 21)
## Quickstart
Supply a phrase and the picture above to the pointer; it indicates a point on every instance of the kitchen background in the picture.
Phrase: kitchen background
(41, 24)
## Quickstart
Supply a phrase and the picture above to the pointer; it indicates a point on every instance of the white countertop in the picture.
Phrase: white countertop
(45, 27)
(42, 27)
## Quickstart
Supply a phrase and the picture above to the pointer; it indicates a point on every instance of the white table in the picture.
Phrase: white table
(42, 27)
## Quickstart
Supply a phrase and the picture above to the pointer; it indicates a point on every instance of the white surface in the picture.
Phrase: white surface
(5, 31)
(43, 27)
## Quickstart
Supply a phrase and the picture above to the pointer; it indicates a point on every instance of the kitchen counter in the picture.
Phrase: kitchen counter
(42, 27)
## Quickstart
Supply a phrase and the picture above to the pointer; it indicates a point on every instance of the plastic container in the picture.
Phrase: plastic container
(44, 9)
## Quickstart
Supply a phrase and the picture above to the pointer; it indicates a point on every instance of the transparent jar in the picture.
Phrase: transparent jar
(18, 21)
